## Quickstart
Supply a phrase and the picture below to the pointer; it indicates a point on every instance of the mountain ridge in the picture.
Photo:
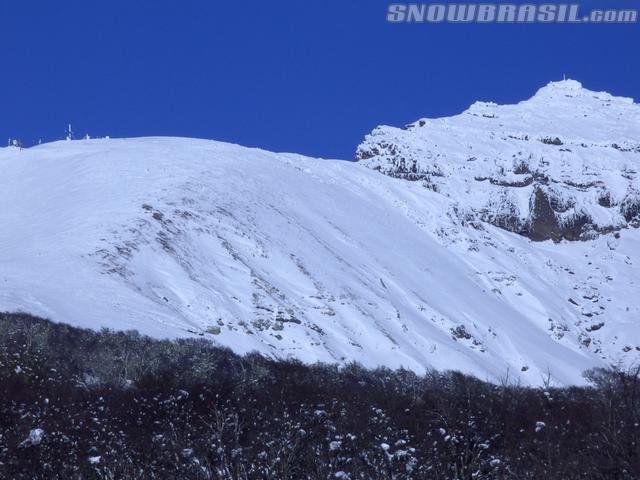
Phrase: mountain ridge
(561, 165)
(317, 260)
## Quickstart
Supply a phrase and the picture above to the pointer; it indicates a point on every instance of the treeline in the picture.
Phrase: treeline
(78, 404)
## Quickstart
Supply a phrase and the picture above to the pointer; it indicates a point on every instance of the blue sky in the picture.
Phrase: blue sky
(310, 76)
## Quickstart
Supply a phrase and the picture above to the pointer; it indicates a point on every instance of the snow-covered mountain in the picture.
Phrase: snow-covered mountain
(561, 165)
(334, 261)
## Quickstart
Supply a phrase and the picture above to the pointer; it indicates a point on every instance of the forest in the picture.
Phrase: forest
(81, 404)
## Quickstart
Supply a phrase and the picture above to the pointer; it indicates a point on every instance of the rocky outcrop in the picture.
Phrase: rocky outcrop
(559, 166)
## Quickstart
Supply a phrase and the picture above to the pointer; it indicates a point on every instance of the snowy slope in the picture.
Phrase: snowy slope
(306, 258)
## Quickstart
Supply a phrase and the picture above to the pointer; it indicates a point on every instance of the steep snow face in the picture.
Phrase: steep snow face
(561, 165)
(297, 257)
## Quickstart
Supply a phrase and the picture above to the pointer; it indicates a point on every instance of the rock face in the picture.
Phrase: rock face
(562, 165)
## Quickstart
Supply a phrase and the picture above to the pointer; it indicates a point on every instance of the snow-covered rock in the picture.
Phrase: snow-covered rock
(561, 165)
(321, 259)
(33, 439)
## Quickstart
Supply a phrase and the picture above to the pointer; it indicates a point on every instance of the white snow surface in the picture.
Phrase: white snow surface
(319, 260)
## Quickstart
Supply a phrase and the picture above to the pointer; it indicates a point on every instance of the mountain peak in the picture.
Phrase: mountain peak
(566, 91)
(566, 84)
(561, 165)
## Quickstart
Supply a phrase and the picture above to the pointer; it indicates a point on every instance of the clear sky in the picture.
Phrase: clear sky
(309, 76)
